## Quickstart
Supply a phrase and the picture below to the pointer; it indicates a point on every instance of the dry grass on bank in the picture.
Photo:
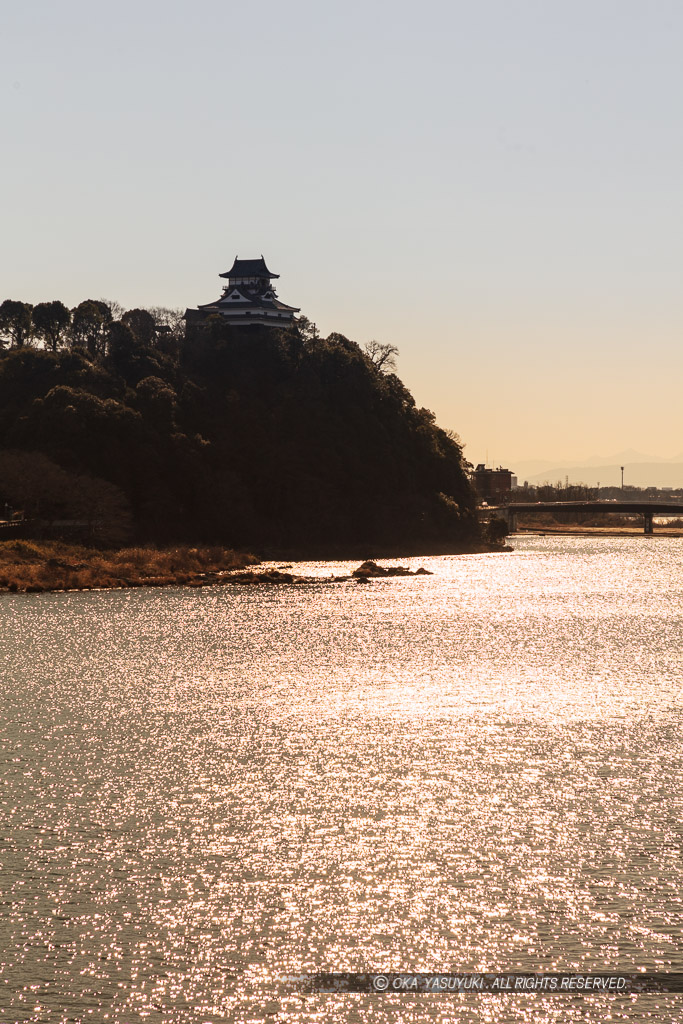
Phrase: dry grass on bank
(33, 566)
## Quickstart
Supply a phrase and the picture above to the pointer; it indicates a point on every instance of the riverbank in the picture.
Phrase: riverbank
(565, 529)
(360, 552)
(35, 567)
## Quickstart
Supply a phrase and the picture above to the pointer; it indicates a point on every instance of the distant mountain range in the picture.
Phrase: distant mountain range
(639, 470)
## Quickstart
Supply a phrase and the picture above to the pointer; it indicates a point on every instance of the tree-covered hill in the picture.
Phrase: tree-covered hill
(266, 439)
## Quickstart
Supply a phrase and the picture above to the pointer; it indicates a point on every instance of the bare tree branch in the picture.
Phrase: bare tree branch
(383, 356)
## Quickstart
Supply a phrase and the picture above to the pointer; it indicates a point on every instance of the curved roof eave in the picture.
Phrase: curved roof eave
(249, 268)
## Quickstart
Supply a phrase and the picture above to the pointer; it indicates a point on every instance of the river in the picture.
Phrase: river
(203, 790)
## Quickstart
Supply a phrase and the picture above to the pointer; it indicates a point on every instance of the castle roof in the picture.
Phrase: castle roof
(249, 268)
(247, 299)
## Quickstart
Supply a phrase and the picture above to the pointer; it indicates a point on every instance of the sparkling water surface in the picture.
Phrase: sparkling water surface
(203, 790)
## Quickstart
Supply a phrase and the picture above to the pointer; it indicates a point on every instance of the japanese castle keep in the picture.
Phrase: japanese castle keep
(248, 298)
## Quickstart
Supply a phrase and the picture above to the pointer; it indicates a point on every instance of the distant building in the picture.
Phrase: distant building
(492, 484)
(248, 298)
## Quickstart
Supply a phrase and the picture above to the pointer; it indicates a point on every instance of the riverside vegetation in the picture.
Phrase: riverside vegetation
(51, 565)
(119, 428)
(31, 567)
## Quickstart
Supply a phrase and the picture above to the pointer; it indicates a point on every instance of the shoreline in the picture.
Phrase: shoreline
(595, 531)
(36, 567)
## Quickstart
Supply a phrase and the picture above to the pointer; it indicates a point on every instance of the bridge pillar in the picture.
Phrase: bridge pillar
(647, 516)
(512, 520)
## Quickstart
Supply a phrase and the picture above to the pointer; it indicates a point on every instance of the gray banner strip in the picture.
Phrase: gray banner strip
(504, 982)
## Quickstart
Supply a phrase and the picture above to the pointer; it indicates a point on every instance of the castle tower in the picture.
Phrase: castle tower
(248, 298)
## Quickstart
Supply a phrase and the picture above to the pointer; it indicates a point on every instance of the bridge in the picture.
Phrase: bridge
(648, 509)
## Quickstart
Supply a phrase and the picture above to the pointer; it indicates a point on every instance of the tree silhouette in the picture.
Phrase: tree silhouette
(382, 356)
(51, 320)
(15, 322)
(256, 437)
(89, 323)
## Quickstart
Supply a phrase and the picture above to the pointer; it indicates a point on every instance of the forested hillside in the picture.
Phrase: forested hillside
(257, 438)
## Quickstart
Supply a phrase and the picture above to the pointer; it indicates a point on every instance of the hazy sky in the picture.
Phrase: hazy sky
(494, 186)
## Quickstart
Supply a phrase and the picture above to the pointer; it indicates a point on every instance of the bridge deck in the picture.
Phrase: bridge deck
(624, 507)
(648, 509)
